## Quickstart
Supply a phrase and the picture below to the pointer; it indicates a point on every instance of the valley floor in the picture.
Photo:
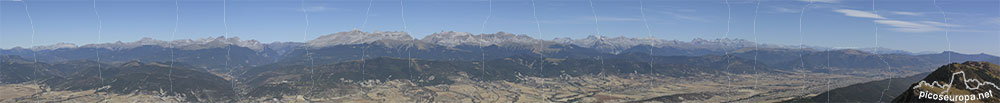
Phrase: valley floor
(31, 92)
(590, 88)
(601, 88)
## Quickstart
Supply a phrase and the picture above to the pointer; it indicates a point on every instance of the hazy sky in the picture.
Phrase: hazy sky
(913, 25)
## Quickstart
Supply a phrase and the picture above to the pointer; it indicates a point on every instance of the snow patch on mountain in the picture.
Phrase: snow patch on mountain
(443, 38)
(188, 44)
(618, 44)
(54, 46)
(452, 39)
(357, 37)
(283, 47)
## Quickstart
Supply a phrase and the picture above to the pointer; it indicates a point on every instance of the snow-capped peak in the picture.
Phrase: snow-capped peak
(617, 42)
(54, 46)
(187, 44)
(357, 37)
(451, 39)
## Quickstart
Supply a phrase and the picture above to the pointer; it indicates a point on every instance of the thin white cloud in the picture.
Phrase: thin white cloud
(856, 13)
(907, 13)
(995, 20)
(684, 17)
(317, 9)
(614, 19)
(822, 1)
(900, 25)
(784, 10)
(905, 26)
(939, 24)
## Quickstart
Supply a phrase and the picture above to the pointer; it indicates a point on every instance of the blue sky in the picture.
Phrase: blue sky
(913, 25)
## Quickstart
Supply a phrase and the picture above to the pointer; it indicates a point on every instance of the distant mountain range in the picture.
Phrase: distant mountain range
(125, 78)
(248, 53)
(209, 69)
